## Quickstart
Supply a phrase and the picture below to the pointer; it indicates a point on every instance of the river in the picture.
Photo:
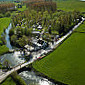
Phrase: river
(82, 0)
(16, 58)
(7, 36)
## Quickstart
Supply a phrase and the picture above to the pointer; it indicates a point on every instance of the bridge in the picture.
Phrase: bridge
(16, 68)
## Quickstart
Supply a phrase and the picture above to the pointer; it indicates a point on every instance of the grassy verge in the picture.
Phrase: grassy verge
(8, 81)
(4, 23)
(66, 63)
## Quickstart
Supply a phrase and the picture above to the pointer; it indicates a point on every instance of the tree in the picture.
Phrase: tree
(7, 64)
(23, 41)
(11, 32)
(19, 31)
(7, 14)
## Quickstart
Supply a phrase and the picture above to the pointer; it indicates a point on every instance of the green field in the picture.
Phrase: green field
(71, 5)
(66, 63)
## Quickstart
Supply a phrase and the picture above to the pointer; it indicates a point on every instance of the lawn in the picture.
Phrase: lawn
(71, 5)
(8, 81)
(4, 23)
(66, 63)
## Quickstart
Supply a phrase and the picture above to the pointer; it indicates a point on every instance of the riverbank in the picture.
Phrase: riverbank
(4, 23)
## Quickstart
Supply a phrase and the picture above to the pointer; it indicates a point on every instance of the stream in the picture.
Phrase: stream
(16, 58)
(7, 36)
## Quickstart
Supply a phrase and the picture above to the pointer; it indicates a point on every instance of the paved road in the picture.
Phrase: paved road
(3, 76)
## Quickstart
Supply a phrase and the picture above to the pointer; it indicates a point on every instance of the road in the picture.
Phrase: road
(3, 76)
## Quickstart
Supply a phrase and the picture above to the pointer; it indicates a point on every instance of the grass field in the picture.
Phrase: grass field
(71, 5)
(66, 63)
(4, 23)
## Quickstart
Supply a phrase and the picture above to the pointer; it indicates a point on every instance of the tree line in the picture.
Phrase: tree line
(41, 5)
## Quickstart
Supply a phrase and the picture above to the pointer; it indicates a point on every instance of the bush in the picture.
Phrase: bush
(1, 16)
(13, 39)
(11, 32)
(7, 14)
(1, 43)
